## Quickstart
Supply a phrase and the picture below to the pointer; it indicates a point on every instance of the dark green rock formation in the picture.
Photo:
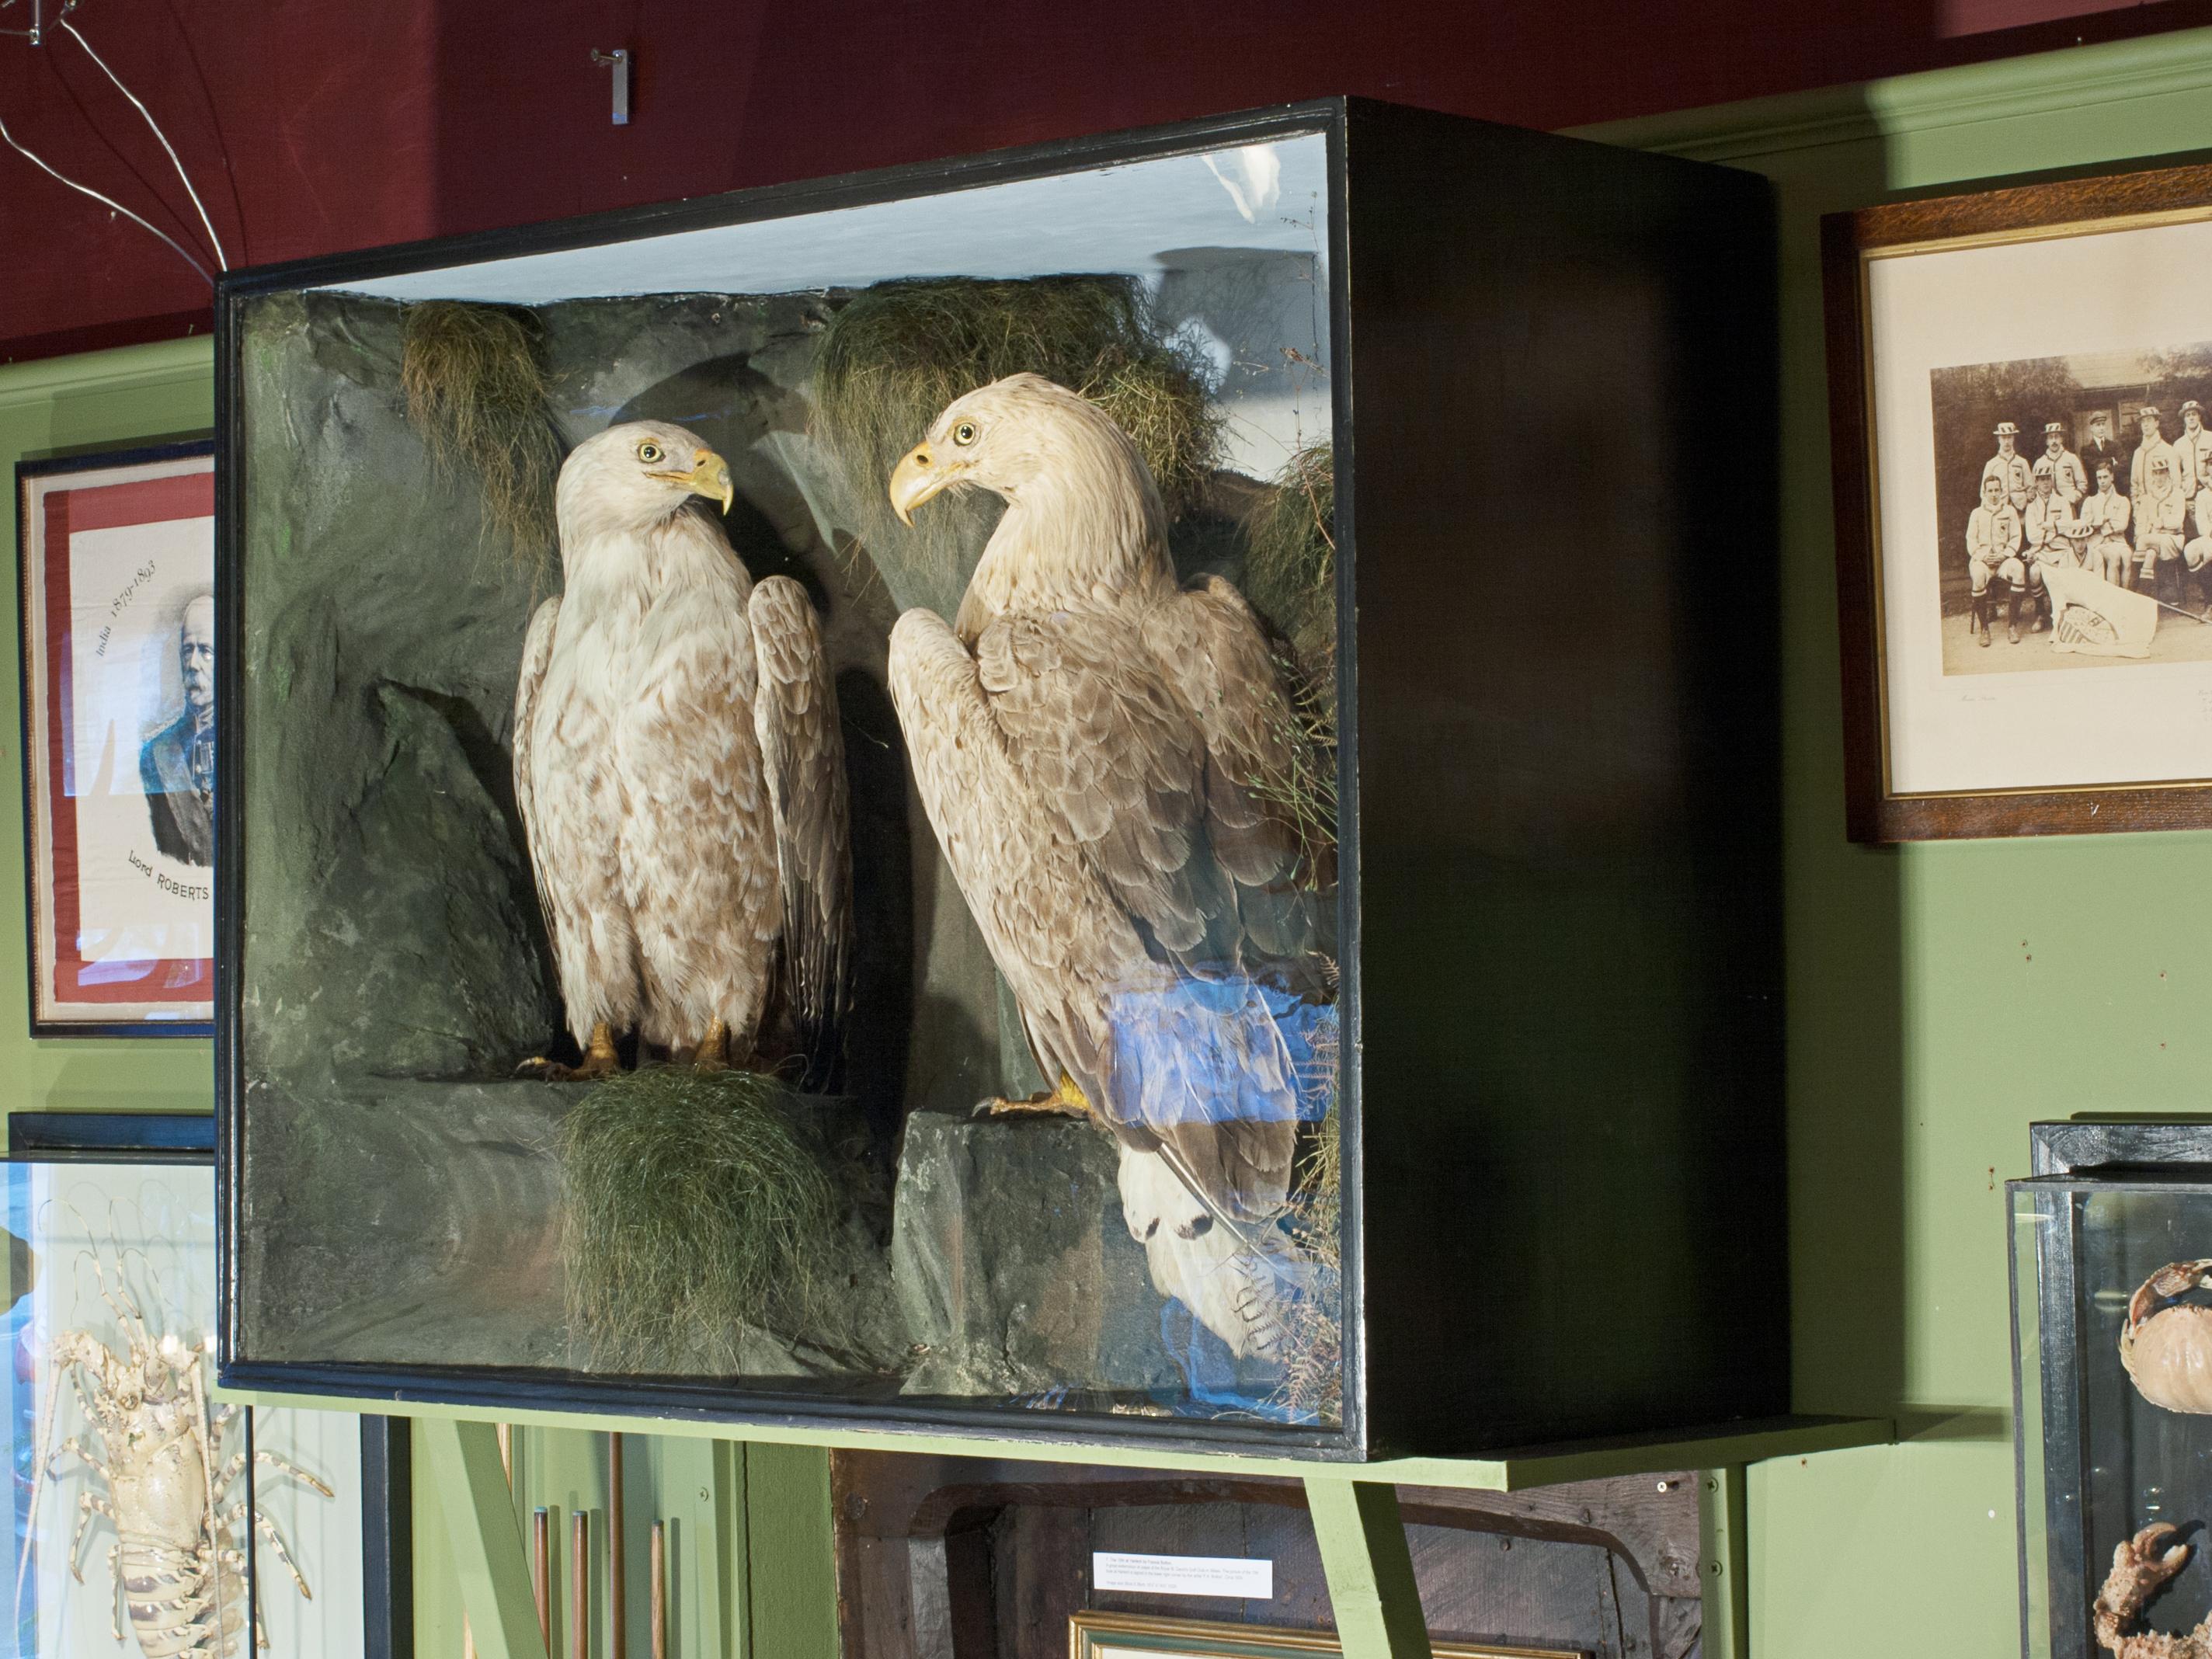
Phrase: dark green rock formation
(1013, 1265)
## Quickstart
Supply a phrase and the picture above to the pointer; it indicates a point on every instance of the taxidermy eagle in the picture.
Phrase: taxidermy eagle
(679, 769)
(1097, 749)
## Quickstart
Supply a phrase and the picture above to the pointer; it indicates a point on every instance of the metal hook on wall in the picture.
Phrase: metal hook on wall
(36, 34)
(617, 60)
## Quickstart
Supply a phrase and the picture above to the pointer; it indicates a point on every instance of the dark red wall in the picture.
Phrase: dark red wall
(313, 125)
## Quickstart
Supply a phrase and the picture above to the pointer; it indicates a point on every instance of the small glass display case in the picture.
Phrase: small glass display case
(2111, 1256)
(139, 1500)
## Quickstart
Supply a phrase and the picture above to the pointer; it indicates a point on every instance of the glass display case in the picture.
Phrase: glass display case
(2111, 1252)
(1094, 790)
(140, 1504)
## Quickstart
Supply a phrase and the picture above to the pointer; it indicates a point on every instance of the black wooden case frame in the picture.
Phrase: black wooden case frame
(1553, 408)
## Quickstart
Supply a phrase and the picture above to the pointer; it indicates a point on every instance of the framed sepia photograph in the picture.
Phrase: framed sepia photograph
(2019, 382)
(1136, 1636)
(116, 555)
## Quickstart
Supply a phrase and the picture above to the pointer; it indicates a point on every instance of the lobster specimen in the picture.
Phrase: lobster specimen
(157, 1448)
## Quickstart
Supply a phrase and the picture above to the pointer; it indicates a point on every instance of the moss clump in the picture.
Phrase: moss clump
(476, 392)
(897, 354)
(1289, 558)
(699, 1205)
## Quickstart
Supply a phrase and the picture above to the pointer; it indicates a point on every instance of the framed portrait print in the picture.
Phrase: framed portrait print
(117, 560)
(1134, 1636)
(2020, 396)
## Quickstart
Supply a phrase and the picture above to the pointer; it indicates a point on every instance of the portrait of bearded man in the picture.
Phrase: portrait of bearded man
(176, 764)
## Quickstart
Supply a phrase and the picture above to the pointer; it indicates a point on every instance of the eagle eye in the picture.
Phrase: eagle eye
(648, 451)
(964, 433)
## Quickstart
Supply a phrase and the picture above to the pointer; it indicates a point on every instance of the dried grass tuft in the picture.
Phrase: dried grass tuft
(477, 391)
(897, 354)
(1290, 579)
(698, 1206)
(1289, 558)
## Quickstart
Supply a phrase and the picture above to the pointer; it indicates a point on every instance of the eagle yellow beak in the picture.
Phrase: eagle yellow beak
(915, 480)
(709, 476)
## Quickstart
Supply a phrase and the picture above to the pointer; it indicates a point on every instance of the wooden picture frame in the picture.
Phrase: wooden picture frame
(116, 571)
(1115, 1635)
(1950, 732)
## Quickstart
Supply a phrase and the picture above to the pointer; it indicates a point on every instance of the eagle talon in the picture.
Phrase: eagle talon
(599, 1060)
(712, 1054)
(1066, 1101)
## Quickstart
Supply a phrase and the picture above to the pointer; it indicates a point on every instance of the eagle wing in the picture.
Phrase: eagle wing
(795, 718)
(1212, 1036)
(1212, 648)
(1054, 931)
(537, 653)
(1102, 740)
(1269, 813)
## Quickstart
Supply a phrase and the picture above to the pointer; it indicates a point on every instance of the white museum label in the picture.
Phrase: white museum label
(1183, 1575)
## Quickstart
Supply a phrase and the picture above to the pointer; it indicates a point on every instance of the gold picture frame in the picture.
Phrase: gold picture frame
(1113, 1635)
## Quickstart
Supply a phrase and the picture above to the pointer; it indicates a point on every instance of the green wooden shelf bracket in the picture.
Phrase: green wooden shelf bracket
(1723, 1540)
(1518, 1470)
(462, 1461)
(774, 1591)
(1378, 1602)
(1371, 1589)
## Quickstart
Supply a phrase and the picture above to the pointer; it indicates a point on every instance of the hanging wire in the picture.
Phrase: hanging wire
(105, 201)
(222, 258)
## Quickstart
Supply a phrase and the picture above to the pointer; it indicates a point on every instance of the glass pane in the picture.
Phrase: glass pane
(2116, 1367)
(307, 1577)
(1030, 1038)
(2033, 1214)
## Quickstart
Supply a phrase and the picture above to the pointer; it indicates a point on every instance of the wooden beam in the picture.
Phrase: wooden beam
(1724, 1542)
(462, 1460)
(1371, 1588)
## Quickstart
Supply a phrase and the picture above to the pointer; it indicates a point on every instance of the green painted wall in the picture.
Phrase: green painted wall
(1941, 997)
(101, 401)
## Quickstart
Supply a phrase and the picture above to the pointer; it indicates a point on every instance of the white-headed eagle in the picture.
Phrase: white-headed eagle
(1099, 749)
(679, 769)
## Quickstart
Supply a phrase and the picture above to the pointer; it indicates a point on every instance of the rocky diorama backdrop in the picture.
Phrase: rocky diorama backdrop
(403, 1192)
